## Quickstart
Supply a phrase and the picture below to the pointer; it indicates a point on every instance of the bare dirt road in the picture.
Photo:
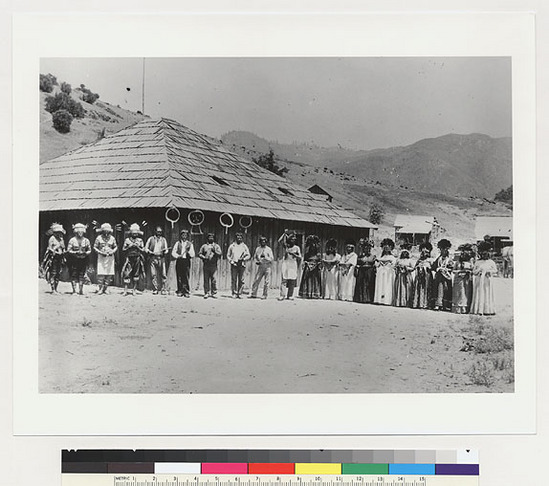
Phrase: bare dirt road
(166, 344)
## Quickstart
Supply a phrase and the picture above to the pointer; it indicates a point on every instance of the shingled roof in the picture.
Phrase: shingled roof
(161, 163)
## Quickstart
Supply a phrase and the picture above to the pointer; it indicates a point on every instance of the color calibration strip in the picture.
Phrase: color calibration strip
(277, 462)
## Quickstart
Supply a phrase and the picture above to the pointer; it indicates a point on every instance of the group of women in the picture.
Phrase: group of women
(462, 284)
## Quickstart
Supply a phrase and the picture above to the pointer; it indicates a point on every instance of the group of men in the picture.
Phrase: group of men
(76, 256)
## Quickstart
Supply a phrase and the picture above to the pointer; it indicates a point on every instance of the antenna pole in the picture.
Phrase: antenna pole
(143, 90)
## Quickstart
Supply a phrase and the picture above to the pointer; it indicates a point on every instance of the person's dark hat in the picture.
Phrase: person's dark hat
(388, 242)
(444, 244)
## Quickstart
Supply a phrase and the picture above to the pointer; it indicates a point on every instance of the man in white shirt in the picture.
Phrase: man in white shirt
(157, 248)
(263, 258)
(182, 252)
(238, 254)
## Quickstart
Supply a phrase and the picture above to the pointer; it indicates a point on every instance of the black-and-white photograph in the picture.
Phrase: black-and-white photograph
(276, 225)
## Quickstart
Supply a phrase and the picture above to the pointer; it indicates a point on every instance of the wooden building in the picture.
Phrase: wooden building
(159, 172)
(496, 229)
(414, 229)
(316, 189)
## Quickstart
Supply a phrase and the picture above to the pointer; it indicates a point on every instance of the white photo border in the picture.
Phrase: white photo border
(36, 36)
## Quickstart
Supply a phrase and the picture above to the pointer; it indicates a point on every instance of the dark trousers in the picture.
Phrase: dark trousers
(237, 278)
(183, 271)
(210, 284)
(55, 269)
(77, 269)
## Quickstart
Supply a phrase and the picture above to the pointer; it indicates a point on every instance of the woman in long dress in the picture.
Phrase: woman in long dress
(330, 264)
(347, 273)
(404, 267)
(365, 273)
(423, 282)
(385, 274)
(462, 287)
(483, 291)
(311, 279)
(442, 284)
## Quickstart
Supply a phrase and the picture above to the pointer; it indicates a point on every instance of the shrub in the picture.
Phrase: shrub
(267, 161)
(376, 214)
(45, 84)
(505, 196)
(62, 101)
(481, 373)
(88, 95)
(62, 120)
(66, 88)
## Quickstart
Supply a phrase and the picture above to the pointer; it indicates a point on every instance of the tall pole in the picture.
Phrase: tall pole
(143, 90)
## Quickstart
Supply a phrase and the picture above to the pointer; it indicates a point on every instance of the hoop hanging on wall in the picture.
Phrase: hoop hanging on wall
(172, 211)
(227, 221)
(245, 222)
(196, 218)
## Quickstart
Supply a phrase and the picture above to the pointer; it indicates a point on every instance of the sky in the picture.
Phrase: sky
(358, 103)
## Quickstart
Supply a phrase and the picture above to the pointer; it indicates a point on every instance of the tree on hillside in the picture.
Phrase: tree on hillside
(66, 88)
(376, 214)
(88, 95)
(267, 161)
(505, 196)
(47, 82)
(62, 120)
(62, 101)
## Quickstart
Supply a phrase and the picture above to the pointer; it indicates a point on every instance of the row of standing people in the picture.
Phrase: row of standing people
(355, 276)
(440, 283)
(152, 253)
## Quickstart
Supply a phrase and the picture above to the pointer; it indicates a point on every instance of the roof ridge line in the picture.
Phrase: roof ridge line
(170, 176)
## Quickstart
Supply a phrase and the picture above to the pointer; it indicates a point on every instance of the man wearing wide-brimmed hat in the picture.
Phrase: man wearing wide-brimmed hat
(105, 246)
(157, 248)
(55, 255)
(79, 249)
(134, 265)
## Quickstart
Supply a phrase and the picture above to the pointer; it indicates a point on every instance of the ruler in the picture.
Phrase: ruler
(263, 480)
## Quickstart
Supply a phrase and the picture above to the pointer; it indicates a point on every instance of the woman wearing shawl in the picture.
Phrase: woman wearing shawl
(385, 274)
(404, 267)
(483, 292)
(365, 273)
(442, 284)
(330, 263)
(423, 282)
(310, 287)
(347, 273)
(134, 265)
(462, 288)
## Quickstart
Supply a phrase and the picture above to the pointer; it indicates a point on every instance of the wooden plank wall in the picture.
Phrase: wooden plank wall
(270, 228)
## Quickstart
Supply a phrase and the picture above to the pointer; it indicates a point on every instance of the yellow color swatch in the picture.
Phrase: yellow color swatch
(317, 468)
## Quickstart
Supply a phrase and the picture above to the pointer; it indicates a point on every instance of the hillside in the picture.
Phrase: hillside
(456, 214)
(464, 165)
(100, 118)
(341, 172)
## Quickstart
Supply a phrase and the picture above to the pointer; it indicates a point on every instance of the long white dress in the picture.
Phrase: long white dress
(347, 276)
(385, 280)
(483, 291)
(331, 272)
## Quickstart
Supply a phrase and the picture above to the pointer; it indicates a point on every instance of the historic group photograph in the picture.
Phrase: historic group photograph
(276, 225)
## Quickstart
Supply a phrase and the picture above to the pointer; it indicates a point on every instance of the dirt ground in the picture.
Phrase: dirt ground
(166, 344)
